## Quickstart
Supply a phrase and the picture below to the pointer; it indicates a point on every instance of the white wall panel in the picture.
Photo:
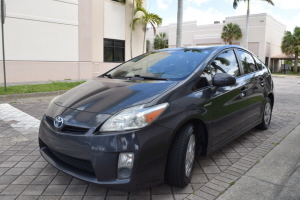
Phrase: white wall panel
(114, 20)
(63, 10)
(41, 30)
(35, 40)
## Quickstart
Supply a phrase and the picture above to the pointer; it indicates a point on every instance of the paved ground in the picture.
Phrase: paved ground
(25, 175)
(275, 177)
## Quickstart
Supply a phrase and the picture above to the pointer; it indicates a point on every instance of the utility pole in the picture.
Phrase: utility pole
(3, 15)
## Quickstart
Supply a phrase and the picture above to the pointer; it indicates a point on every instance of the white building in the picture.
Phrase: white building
(65, 39)
(265, 35)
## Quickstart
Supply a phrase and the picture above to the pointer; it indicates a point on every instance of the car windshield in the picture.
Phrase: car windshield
(169, 64)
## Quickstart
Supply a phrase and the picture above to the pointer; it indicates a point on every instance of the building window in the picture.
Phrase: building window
(267, 61)
(120, 1)
(114, 50)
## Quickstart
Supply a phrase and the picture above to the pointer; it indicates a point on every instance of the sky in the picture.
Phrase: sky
(208, 11)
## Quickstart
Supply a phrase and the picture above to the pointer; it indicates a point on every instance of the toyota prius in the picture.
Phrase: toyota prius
(143, 122)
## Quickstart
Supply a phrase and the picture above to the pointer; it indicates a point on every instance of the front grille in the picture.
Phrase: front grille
(67, 128)
(74, 129)
(49, 120)
(74, 162)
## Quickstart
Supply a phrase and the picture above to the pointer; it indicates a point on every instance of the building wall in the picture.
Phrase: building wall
(265, 34)
(115, 26)
(63, 39)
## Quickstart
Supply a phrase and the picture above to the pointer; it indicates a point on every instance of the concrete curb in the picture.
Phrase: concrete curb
(285, 76)
(15, 97)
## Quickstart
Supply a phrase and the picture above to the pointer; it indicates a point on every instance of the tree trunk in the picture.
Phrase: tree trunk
(230, 42)
(296, 63)
(247, 25)
(131, 29)
(179, 23)
(145, 29)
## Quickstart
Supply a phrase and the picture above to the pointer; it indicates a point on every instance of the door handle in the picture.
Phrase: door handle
(261, 81)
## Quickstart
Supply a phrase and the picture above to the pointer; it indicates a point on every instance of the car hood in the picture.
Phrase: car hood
(107, 96)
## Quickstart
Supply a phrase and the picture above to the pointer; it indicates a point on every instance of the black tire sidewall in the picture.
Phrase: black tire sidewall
(187, 180)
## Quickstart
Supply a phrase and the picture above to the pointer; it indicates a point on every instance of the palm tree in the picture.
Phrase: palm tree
(179, 23)
(231, 31)
(135, 3)
(291, 45)
(147, 18)
(160, 42)
(235, 4)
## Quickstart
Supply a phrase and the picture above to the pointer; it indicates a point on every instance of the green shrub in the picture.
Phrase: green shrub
(292, 69)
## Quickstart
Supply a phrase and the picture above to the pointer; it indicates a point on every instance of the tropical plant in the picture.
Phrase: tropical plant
(231, 32)
(147, 45)
(235, 4)
(135, 4)
(147, 18)
(291, 44)
(160, 41)
(179, 23)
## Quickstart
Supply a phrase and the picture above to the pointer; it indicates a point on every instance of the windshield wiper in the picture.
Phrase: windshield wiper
(107, 75)
(151, 78)
(154, 78)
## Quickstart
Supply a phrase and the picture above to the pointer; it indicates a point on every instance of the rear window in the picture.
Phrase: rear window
(173, 64)
(259, 64)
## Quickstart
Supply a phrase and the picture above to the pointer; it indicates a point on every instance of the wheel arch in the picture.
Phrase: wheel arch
(271, 96)
(201, 134)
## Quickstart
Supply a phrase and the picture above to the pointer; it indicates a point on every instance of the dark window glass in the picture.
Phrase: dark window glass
(226, 63)
(173, 64)
(259, 64)
(267, 61)
(114, 50)
(120, 1)
(119, 54)
(247, 62)
(119, 43)
(108, 54)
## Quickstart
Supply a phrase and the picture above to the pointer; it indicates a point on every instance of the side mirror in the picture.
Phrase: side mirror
(223, 79)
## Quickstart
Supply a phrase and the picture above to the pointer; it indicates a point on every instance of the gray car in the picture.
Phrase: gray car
(143, 122)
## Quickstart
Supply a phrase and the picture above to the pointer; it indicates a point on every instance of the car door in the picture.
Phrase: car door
(254, 86)
(228, 103)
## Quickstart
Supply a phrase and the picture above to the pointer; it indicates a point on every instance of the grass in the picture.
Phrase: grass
(290, 74)
(48, 87)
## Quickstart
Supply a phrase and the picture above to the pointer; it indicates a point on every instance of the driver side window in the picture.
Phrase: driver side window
(226, 63)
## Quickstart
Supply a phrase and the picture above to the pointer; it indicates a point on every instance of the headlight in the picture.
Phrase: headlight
(53, 100)
(133, 118)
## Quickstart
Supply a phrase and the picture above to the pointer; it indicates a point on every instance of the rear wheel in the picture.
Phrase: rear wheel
(181, 157)
(267, 116)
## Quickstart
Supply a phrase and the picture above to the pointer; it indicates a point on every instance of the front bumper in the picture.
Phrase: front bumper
(149, 145)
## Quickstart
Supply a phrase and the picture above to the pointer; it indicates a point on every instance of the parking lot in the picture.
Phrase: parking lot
(24, 174)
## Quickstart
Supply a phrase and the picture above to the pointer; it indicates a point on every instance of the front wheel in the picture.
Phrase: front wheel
(266, 116)
(181, 157)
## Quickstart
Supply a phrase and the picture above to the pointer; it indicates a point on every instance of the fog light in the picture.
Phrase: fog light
(125, 165)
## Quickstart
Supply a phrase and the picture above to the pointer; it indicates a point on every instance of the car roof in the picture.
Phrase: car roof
(218, 47)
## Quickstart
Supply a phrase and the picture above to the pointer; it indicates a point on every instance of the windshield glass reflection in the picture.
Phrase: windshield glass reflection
(172, 64)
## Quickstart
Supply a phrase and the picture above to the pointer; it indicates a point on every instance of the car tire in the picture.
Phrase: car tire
(267, 115)
(181, 157)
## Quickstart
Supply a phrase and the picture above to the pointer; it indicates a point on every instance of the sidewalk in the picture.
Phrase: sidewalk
(277, 176)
